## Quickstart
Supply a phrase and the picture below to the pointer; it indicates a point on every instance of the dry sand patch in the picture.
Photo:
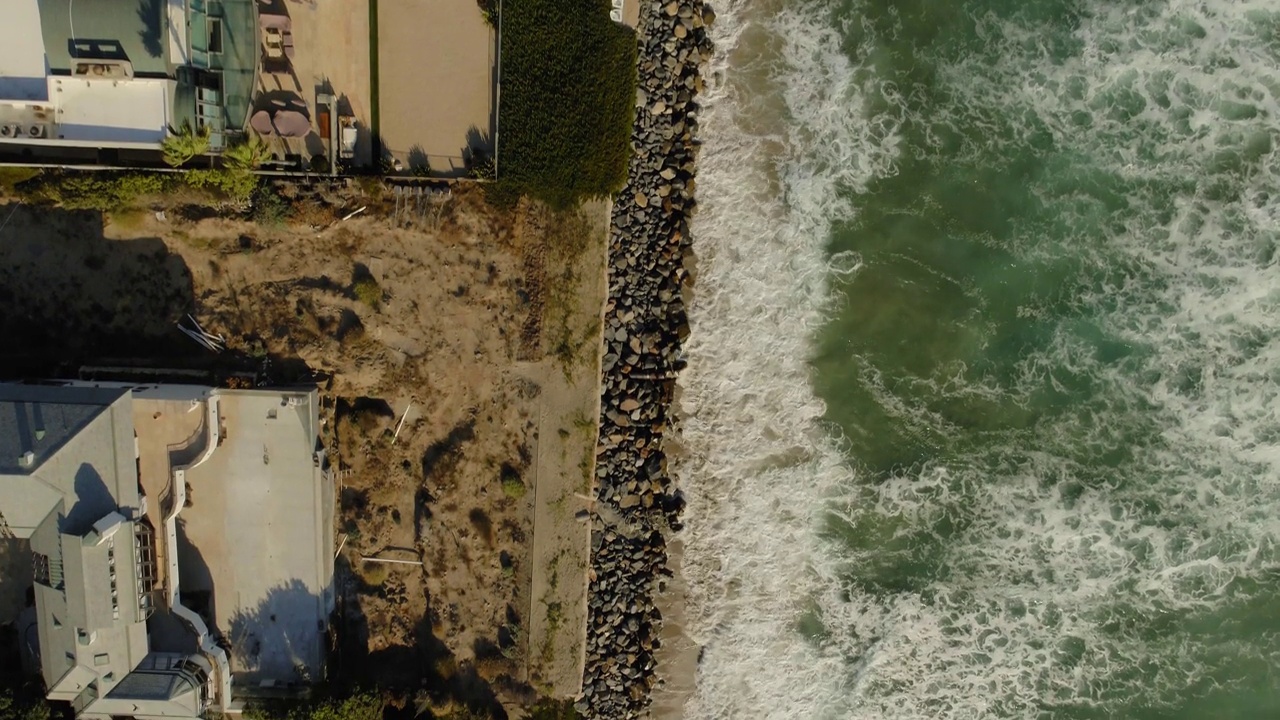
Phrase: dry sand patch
(436, 74)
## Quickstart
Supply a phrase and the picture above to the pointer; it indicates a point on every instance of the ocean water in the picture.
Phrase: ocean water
(982, 413)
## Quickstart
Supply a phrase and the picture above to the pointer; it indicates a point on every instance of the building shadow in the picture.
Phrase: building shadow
(84, 305)
(195, 588)
(74, 296)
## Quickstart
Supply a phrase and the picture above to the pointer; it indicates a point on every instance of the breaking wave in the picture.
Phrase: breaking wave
(1098, 530)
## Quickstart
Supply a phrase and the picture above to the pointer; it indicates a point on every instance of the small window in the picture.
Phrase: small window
(215, 35)
(40, 567)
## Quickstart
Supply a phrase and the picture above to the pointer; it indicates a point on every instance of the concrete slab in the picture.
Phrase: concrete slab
(436, 75)
(256, 542)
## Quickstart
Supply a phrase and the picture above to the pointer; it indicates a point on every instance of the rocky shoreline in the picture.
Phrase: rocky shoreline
(645, 322)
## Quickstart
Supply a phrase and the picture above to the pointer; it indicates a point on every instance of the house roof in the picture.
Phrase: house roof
(124, 29)
(36, 422)
(68, 477)
(22, 68)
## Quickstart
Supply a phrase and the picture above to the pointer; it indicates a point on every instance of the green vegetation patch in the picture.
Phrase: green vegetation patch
(96, 190)
(22, 705)
(12, 177)
(359, 705)
(568, 100)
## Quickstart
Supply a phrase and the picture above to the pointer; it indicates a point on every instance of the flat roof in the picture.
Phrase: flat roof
(258, 535)
(130, 29)
(22, 69)
(112, 111)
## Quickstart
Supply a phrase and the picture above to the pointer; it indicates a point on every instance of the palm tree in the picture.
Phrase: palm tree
(246, 155)
(179, 147)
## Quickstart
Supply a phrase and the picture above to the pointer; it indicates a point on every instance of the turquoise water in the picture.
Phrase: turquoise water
(1056, 368)
(982, 413)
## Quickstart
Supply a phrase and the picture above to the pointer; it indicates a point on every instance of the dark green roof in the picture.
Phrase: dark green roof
(132, 30)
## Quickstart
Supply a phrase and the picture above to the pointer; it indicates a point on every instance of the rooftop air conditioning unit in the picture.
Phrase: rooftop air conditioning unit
(36, 131)
(9, 131)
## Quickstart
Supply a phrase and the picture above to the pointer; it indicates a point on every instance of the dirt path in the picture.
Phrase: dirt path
(565, 358)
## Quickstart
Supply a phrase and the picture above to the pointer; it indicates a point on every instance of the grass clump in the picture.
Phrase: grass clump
(568, 101)
(369, 292)
(512, 486)
(374, 573)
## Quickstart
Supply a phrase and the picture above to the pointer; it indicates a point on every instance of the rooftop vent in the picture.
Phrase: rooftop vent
(27, 460)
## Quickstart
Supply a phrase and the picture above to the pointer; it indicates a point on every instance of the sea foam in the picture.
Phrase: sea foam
(1056, 567)
(758, 466)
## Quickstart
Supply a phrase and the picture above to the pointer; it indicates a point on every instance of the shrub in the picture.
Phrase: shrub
(489, 11)
(248, 154)
(369, 292)
(98, 190)
(513, 487)
(568, 100)
(19, 708)
(236, 185)
(12, 177)
(357, 706)
(548, 709)
(180, 147)
(268, 207)
(482, 167)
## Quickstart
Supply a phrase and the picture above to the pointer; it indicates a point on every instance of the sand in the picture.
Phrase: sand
(436, 75)
(677, 659)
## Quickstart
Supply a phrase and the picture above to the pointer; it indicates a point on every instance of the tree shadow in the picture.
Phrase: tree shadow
(424, 670)
(479, 142)
(419, 164)
(442, 455)
(74, 296)
(93, 500)
(150, 12)
(281, 641)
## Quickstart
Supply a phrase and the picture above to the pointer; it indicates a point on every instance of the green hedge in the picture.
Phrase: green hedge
(97, 190)
(107, 191)
(568, 100)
